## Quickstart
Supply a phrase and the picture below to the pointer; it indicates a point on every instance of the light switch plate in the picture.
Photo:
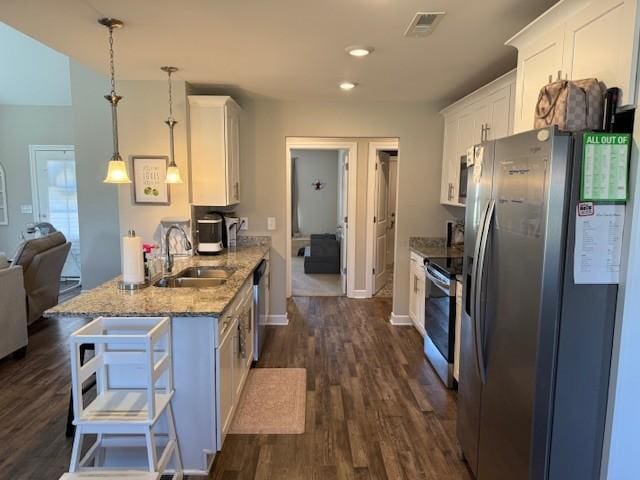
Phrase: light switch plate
(271, 223)
(26, 209)
(244, 223)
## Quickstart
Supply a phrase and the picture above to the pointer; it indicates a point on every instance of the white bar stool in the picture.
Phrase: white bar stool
(132, 368)
(115, 475)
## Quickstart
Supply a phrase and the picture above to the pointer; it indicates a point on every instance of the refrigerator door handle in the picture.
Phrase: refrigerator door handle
(473, 286)
(478, 321)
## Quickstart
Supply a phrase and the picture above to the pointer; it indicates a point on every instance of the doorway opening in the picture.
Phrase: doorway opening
(382, 193)
(320, 197)
(55, 203)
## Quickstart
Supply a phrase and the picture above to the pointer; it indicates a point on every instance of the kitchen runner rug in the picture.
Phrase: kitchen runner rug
(273, 402)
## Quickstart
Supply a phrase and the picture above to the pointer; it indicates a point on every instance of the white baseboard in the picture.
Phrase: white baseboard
(400, 320)
(280, 320)
(360, 294)
(405, 321)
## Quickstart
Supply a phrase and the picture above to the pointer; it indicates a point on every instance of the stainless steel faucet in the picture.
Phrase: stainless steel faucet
(168, 262)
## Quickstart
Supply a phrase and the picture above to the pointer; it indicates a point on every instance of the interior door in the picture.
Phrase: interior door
(343, 204)
(393, 186)
(381, 221)
(56, 200)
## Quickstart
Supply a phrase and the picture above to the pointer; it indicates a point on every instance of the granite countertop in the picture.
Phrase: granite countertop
(106, 299)
(433, 247)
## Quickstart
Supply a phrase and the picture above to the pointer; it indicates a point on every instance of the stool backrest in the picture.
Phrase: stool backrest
(140, 346)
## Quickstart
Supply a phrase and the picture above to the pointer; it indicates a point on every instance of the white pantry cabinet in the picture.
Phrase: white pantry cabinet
(485, 114)
(576, 39)
(214, 146)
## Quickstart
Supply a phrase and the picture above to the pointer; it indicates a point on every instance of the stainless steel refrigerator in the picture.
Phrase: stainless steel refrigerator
(535, 346)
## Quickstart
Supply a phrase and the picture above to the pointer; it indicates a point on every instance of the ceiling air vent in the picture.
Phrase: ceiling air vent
(423, 24)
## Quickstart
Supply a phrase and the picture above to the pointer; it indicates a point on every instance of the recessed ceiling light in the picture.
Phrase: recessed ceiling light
(359, 51)
(348, 85)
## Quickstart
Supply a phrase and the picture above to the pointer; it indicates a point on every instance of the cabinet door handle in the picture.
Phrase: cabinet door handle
(236, 189)
(487, 129)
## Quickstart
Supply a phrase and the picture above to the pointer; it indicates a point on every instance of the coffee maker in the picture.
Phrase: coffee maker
(210, 232)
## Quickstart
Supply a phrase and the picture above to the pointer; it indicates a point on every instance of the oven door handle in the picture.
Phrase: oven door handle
(445, 287)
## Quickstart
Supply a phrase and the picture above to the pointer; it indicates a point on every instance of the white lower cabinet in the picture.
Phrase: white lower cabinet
(226, 362)
(417, 288)
(234, 356)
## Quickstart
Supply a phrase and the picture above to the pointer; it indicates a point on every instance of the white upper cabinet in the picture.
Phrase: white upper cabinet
(600, 41)
(450, 151)
(214, 143)
(486, 114)
(499, 113)
(576, 39)
(537, 63)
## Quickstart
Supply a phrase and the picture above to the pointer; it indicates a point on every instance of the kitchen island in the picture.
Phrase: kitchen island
(210, 359)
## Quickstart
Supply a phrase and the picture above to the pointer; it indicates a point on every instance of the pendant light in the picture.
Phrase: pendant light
(117, 169)
(173, 173)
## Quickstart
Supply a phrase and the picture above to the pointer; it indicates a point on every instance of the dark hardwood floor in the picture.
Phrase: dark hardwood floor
(375, 408)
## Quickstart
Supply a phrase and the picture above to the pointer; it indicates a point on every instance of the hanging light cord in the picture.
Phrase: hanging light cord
(111, 63)
(170, 95)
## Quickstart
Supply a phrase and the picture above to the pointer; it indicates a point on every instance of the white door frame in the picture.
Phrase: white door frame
(34, 173)
(374, 148)
(310, 143)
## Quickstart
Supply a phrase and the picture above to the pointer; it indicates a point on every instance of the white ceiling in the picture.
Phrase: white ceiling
(289, 49)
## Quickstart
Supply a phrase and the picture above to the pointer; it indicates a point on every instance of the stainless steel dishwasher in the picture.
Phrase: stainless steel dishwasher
(261, 306)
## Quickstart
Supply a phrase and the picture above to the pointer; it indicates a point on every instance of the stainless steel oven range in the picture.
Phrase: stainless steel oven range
(440, 315)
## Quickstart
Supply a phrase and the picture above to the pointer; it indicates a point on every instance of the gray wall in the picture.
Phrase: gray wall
(317, 209)
(264, 126)
(97, 201)
(143, 132)
(21, 126)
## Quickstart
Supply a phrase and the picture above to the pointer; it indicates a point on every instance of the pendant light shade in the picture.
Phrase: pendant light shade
(173, 172)
(117, 168)
(117, 172)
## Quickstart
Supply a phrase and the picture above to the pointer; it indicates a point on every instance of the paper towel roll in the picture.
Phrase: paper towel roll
(132, 260)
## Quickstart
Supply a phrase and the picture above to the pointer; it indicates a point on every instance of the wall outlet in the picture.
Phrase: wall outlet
(271, 223)
(244, 223)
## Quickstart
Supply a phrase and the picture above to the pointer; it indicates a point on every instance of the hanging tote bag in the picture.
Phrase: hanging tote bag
(572, 105)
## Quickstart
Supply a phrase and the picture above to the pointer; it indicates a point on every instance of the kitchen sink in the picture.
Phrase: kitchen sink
(206, 272)
(197, 277)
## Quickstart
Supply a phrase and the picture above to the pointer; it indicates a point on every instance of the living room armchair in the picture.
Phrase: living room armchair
(42, 260)
(13, 313)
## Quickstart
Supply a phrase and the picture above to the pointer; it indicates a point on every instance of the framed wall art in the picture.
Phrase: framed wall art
(149, 174)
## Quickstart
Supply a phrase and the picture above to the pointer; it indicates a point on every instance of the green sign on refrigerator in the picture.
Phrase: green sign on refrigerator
(605, 167)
